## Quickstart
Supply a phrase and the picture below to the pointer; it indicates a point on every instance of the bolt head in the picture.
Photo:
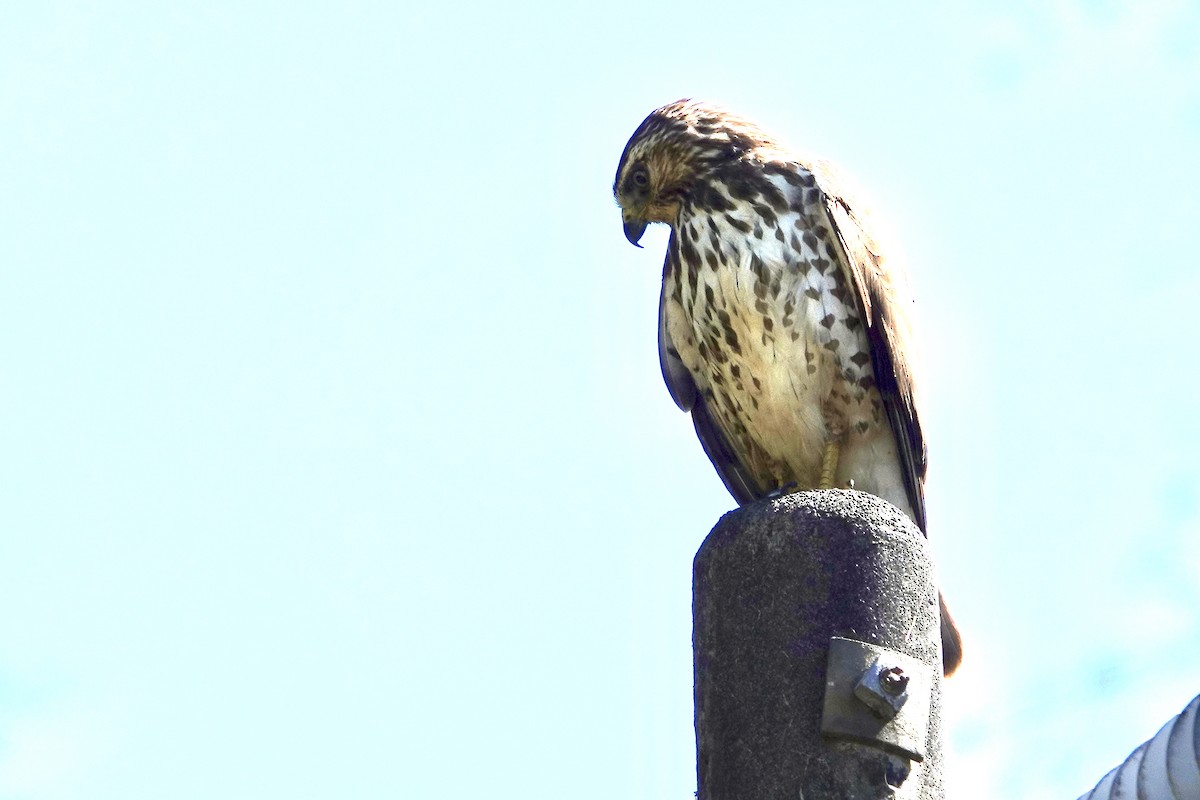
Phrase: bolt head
(893, 681)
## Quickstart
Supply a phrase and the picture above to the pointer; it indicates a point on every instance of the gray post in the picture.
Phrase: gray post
(773, 584)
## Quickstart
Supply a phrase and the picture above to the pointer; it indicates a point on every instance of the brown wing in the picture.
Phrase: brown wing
(688, 396)
(885, 307)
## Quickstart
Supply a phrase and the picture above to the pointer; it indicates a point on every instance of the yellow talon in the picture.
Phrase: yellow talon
(829, 463)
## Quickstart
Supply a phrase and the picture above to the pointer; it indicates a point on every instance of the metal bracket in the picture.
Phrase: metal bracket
(877, 695)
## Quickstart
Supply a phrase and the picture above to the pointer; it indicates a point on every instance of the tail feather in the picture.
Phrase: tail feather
(952, 647)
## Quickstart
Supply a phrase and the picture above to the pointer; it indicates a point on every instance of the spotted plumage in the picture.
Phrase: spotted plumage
(782, 328)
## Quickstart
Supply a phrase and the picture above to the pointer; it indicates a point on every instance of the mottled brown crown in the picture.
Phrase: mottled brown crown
(676, 147)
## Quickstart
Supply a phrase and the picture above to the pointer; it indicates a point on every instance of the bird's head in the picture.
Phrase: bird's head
(673, 157)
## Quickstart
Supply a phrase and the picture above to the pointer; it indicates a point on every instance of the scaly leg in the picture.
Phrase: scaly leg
(829, 465)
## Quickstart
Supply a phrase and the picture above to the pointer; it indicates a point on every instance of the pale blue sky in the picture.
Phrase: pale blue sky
(336, 459)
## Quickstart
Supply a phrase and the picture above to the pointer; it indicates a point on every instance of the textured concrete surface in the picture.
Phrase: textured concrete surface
(772, 583)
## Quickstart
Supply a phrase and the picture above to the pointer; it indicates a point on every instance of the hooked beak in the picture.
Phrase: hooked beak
(634, 228)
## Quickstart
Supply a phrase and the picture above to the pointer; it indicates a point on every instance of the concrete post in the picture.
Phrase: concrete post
(773, 583)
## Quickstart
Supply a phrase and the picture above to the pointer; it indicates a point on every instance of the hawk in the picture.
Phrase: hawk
(782, 328)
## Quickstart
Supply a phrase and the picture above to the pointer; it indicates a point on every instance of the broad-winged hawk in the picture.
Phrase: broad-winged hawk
(782, 327)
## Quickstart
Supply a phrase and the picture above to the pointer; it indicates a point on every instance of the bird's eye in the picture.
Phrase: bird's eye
(641, 179)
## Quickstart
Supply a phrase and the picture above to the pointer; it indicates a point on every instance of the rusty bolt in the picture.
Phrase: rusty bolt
(893, 681)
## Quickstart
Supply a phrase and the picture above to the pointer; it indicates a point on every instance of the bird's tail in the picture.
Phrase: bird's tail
(952, 647)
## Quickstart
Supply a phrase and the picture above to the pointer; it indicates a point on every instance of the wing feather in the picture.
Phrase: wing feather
(687, 396)
(679, 381)
(734, 475)
(884, 307)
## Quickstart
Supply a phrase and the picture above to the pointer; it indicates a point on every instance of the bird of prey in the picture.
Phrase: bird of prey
(782, 328)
